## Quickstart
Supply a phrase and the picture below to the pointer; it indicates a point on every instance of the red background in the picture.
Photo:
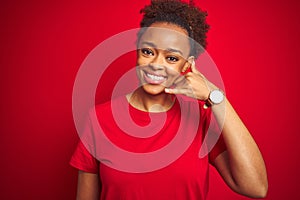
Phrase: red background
(43, 43)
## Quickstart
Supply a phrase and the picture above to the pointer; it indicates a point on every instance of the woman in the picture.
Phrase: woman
(164, 51)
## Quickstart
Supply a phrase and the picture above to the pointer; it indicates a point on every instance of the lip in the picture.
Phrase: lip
(153, 78)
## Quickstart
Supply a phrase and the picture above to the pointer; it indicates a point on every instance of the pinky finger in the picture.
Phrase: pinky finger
(177, 91)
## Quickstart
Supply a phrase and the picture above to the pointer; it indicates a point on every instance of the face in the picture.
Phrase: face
(163, 51)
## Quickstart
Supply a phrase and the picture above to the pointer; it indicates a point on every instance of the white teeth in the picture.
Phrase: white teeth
(155, 78)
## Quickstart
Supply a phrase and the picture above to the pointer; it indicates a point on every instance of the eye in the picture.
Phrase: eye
(172, 59)
(147, 51)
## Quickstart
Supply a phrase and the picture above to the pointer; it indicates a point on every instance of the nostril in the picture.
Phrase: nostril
(155, 66)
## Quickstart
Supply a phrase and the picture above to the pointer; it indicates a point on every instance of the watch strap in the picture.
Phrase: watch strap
(208, 103)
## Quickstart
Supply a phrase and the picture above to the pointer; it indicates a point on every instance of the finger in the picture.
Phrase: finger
(192, 74)
(193, 67)
(188, 64)
(189, 74)
(185, 67)
(181, 91)
(184, 91)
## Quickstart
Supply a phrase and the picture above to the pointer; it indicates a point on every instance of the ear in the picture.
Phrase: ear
(187, 65)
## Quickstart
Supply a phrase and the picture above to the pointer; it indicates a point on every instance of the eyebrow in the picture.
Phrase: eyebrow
(168, 49)
(174, 51)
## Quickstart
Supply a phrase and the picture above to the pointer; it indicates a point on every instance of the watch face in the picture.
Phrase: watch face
(216, 96)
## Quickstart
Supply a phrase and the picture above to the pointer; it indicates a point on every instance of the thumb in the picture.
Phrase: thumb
(193, 64)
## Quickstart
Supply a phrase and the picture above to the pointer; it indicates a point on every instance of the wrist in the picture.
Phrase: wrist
(215, 97)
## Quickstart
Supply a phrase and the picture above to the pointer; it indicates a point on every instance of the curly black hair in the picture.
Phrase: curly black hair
(185, 15)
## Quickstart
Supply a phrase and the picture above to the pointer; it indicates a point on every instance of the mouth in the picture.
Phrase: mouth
(154, 78)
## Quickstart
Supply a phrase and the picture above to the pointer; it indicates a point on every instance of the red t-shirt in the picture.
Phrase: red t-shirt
(186, 177)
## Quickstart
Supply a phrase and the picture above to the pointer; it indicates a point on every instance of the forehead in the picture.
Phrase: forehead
(166, 36)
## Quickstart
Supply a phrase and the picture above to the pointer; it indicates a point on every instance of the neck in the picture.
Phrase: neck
(150, 103)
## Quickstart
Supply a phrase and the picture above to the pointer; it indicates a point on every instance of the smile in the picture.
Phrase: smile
(154, 79)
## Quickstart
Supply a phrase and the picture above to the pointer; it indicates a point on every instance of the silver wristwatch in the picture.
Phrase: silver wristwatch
(215, 97)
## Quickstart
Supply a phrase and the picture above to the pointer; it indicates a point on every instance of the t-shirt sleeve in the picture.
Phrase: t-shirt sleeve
(83, 160)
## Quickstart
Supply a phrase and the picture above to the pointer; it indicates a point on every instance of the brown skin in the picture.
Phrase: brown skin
(88, 186)
(241, 165)
(161, 52)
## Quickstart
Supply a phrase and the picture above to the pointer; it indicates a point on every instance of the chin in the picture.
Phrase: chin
(153, 89)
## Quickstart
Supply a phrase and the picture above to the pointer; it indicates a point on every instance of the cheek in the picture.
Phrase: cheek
(175, 69)
(173, 72)
(180, 68)
(140, 57)
(141, 61)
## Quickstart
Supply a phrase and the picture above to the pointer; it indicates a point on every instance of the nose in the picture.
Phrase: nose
(157, 63)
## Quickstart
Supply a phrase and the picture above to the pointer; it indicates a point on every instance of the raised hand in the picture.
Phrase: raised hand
(192, 84)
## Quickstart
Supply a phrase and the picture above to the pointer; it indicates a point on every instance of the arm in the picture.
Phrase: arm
(88, 187)
(241, 166)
